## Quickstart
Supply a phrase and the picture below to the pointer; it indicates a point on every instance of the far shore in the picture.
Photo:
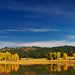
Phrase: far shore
(38, 61)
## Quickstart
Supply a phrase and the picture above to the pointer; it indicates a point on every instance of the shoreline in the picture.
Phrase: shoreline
(37, 61)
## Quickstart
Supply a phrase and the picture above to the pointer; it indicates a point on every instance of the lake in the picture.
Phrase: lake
(51, 69)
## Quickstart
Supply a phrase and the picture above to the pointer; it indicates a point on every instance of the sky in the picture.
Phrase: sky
(44, 23)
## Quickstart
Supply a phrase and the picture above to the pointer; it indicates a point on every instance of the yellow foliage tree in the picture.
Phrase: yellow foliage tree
(16, 57)
(0, 56)
(64, 56)
(7, 56)
(58, 55)
(74, 55)
(12, 57)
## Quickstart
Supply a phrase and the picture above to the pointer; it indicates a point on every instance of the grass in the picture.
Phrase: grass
(29, 61)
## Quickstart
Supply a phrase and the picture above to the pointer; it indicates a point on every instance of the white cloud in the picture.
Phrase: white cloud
(44, 43)
(30, 30)
(40, 44)
(71, 36)
(7, 44)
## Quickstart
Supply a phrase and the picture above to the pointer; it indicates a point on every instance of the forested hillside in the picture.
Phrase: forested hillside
(39, 52)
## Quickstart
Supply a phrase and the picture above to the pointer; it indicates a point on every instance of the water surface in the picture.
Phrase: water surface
(51, 69)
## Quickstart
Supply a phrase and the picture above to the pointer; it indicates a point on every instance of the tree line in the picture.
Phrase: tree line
(39, 52)
(57, 56)
(7, 56)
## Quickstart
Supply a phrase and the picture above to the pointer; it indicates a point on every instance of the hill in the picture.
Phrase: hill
(39, 52)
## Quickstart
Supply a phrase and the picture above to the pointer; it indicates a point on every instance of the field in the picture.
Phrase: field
(28, 61)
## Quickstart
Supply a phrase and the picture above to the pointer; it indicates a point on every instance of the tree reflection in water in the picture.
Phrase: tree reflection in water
(16, 69)
(6, 68)
(59, 67)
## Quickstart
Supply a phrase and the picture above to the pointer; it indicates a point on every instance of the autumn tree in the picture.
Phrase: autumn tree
(16, 56)
(58, 55)
(12, 57)
(74, 55)
(0, 56)
(7, 56)
(54, 55)
(49, 56)
(64, 56)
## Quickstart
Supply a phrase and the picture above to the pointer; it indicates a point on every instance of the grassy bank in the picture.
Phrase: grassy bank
(38, 61)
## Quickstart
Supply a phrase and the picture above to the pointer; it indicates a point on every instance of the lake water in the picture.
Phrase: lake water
(51, 69)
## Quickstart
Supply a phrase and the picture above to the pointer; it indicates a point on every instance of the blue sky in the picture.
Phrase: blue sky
(45, 23)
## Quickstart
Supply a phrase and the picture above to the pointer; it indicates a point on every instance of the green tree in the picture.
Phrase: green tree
(49, 56)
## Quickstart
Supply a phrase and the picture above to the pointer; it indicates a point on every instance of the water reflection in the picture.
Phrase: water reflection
(6, 68)
(16, 69)
(54, 67)
(60, 67)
